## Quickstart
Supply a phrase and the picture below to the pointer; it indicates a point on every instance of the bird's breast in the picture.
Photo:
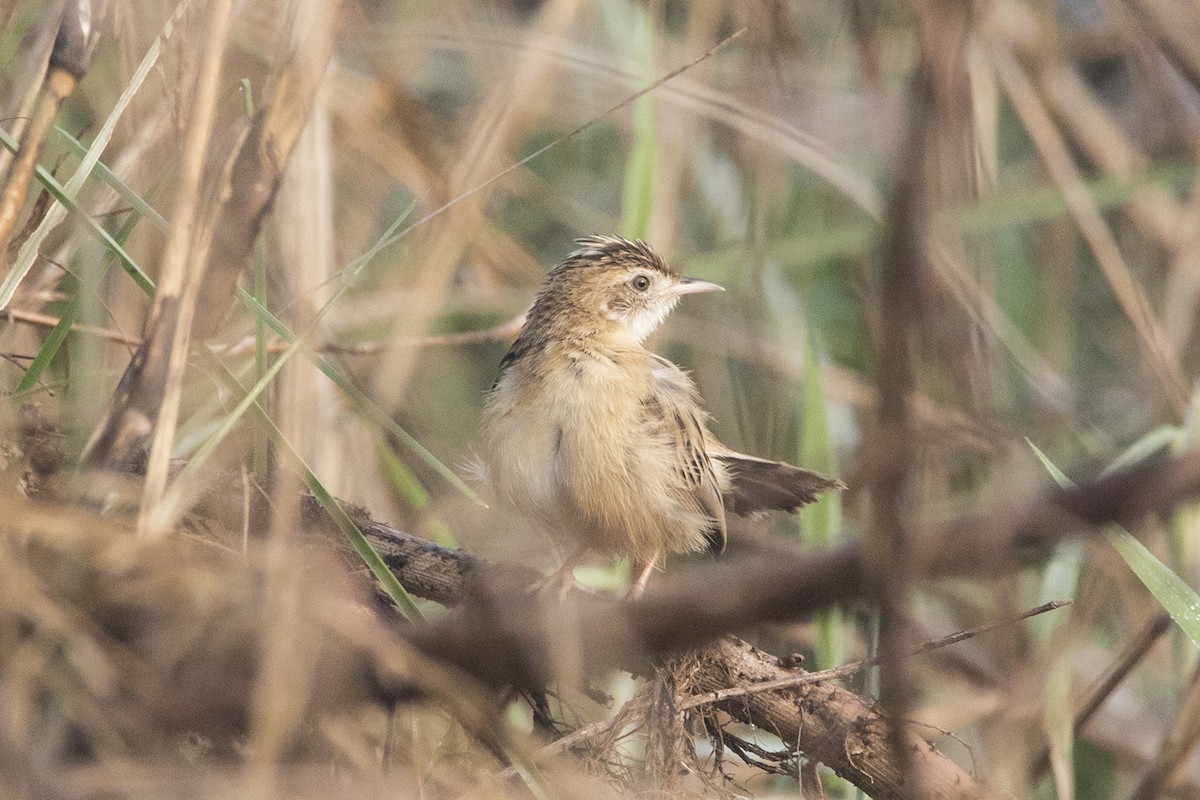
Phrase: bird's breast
(565, 432)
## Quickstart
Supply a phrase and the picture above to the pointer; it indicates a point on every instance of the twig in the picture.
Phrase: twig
(792, 681)
(78, 33)
(496, 333)
(628, 100)
(1129, 659)
(49, 321)
(504, 330)
(496, 636)
(853, 668)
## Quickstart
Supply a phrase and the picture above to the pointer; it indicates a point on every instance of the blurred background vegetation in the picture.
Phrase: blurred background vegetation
(1057, 305)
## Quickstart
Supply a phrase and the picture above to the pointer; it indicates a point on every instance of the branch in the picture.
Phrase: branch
(827, 723)
(503, 635)
(832, 725)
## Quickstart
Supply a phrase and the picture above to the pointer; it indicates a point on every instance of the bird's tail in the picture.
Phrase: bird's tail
(758, 485)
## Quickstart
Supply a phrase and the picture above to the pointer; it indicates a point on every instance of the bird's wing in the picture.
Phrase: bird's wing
(758, 484)
(675, 407)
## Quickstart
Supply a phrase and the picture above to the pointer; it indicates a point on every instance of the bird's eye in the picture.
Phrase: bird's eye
(640, 282)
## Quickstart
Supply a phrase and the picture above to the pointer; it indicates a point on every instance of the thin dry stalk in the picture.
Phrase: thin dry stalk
(184, 265)
(1094, 130)
(509, 108)
(703, 27)
(1183, 280)
(303, 217)
(926, 164)
(1060, 166)
(48, 321)
(1047, 381)
(56, 88)
(31, 73)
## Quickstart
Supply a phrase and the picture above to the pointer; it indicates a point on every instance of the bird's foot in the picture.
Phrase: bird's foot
(558, 584)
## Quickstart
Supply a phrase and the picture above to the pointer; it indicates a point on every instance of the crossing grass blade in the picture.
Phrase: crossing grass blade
(821, 521)
(361, 402)
(56, 190)
(70, 313)
(395, 590)
(1172, 592)
(638, 192)
(1060, 578)
(413, 493)
(28, 253)
(136, 201)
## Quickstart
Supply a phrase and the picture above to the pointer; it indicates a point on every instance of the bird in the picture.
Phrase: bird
(605, 443)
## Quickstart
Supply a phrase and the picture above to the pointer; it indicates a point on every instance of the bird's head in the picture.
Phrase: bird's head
(617, 285)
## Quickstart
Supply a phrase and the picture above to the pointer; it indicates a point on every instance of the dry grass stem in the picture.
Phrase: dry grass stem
(1056, 157)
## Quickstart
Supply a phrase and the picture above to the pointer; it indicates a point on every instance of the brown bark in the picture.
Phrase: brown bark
(831, 725)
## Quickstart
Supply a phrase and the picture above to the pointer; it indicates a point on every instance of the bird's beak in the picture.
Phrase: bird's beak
(696, 286)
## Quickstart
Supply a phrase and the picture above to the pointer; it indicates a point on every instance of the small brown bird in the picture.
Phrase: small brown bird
(604, 442)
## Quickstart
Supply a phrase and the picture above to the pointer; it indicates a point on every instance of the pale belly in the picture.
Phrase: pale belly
(578, 458)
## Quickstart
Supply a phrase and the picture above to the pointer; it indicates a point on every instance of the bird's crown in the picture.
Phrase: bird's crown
(601, 251)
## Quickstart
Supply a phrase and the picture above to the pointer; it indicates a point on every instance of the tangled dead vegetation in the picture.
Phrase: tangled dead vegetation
(186, 655)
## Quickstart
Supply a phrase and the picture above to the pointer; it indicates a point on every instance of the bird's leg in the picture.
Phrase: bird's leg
(639, 586)
(562, 580)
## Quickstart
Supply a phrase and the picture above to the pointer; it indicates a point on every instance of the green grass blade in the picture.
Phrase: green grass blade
(56, 191)
(167, 508)
(1183, 539)
(1034, 204)
(358, 541)
(1058, 722)
(136, 202)
(1171, 591)
(638, 192)
(55, 214)
(401, 477)
(362, 403)
(1157, 441)
(990, 214)
(50, 347)
(1057, 474)
(69, 314)
(345, 524)
(1179, 599)
(1060, 579)
(413, 493)
(820, 522)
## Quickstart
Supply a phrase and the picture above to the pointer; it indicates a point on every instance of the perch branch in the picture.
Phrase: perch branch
(503, 635)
